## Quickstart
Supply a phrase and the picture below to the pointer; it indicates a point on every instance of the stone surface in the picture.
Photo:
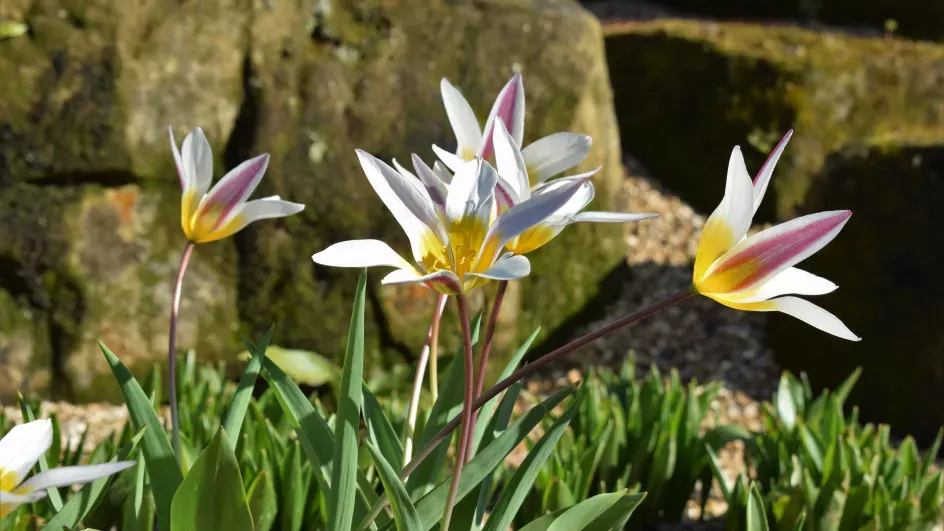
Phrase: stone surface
(89, 195)
(709, 86)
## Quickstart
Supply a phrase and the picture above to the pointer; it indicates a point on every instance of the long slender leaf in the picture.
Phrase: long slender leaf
(404, 512)
(584, 513)
(381, 431)
(344, 479)
(162, 466)
(240, 402)
(514, 492)
(54, 497)
(90, 495)
(263, 502)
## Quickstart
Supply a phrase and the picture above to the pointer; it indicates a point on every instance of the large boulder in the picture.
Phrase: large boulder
(89, 195)
(687, 91)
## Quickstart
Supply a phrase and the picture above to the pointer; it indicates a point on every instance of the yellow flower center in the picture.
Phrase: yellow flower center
(8, 481)
(531, 239)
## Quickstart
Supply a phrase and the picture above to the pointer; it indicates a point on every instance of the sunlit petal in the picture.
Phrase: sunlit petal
(803, 310)
(435, 186)
(361, 253)
(763, 176)
(440, 170)
(197, 160)
(471, 192)
(730, 221)
(555, 154)
(510, 165)
(442, 281)
(246, 213)
(509, 108)
(789, 281)
(73, 475)
(462, 119)
(234, 188)
(178, 160)
(20, 450)
(762, 256)
(453, 162)
(510, 268)
(609, 217)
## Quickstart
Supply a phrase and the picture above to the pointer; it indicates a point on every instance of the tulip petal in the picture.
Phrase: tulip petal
(361, 253)
(609, 217)
(510, 165)
(581, 198)
(414, 181)
(510, 268)
(555, 154)
(728, 224)
(763, 176)
(232, 190)
(410, 206)
(471, 193)
(789, 281)
(9, 502)
(762, 256)
(462, 119)
(509, 108)
(73, 475)
(20, 450)
(434, 184)
(246, 213)
(440, 170)
(178, 160)
(525, 215)
(453, 162)
(197, 158)
(446, 280)
(803, 310)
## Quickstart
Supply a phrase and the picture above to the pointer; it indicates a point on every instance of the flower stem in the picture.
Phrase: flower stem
(524, 372)
(483, 359)
(410, 428)
(466, 410)
(171, 356)
(539, 363)
(434, 348)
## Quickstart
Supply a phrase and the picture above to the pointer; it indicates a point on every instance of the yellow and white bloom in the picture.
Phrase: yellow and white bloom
(20, 450)
(756, 273)
(456, 245)
(516, 184)
(208, 214)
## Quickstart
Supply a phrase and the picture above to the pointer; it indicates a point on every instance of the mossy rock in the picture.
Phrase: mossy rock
(89, 194)
(688, 91)
(917, 19)
(887, 265)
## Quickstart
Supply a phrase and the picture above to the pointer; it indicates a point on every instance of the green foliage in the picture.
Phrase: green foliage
(632, 434)
(819, 469)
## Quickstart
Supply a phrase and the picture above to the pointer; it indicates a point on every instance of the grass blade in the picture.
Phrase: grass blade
(381, 431)
(240, 402)
(55, 498)
(350, 396)
(162, 466)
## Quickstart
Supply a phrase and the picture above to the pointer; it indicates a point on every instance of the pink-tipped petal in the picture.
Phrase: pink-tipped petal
(555, 154)
(759, 258)
(462, 119)
(763, 176)
(509, 108)
(234, 188)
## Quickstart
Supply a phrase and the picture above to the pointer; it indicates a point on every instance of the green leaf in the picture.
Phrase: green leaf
(263, 502)
(162, 466)
(517, 488)
(212, 495)
(303, 366)
(90, 495)
(344, 479)
(54, 497)
(430, 507)
(756, 516)
(381, 431)
(616, 515)
(240, 401)
(786, 408)
(404, 513)
(812, 448)
(842, 392)
(580, 516)
(723, 482)
(293, 490)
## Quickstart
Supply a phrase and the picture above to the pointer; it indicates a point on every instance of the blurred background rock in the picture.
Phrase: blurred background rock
(89, 197)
